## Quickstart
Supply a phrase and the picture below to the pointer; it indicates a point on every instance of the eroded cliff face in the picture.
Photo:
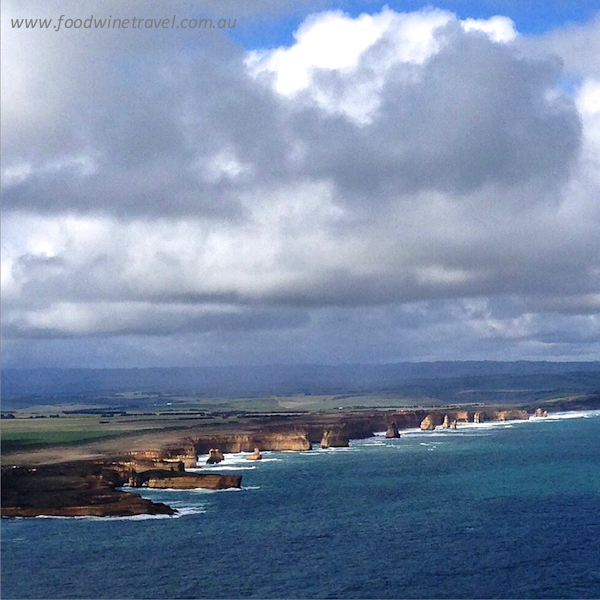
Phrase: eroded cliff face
(510, 414)
(247, 442)
(146, 464)
(162, 458)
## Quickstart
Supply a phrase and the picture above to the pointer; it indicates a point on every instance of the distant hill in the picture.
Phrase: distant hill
(464, 381)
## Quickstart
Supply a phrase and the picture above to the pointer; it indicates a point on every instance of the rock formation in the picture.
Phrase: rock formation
(185, 481)
(185, 454)
(428, 423)
(453, 424)
(147, 464)
(392, 431)
(477, 418)
(334, 439)
(511, 414)
(256, 455)
(540, 412)
(84, 488)
(462, 416)
(214, 456)
(446, 423)
(246, 442)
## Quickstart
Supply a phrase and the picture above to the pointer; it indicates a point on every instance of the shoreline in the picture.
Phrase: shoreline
(85, 481)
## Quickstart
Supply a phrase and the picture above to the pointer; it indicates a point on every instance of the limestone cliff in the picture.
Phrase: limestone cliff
(461, 416)
(146, 464)
(511, 414)
(246, 442)
(184, 453)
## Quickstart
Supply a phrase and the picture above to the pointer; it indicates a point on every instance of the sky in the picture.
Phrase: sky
(325, 182)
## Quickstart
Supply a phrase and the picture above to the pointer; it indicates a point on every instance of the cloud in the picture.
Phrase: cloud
(423, 187)
(578, 45)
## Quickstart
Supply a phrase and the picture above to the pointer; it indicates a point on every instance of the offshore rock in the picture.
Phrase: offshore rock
(428, 423)
(334, 439)
(214, 456)
(453, 424)
(446, 423)
(392, 431)
(477, 418)
(256, 455)
(540, 412)
(184, 481)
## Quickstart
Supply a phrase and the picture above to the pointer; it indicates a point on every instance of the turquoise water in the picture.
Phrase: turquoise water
(492, 511)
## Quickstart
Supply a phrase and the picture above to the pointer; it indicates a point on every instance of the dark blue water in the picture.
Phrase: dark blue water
(507, 511)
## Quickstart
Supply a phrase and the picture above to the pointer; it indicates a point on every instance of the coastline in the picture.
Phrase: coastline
(88, 486)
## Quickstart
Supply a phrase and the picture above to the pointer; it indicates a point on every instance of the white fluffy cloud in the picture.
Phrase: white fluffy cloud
(390, 186)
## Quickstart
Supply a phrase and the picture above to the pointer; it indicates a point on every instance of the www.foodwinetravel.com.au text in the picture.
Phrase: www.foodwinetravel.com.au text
(64, 22)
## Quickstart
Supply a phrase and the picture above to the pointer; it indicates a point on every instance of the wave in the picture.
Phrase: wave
(231, 459)
(145, 491)
(221, 467)
(575, 414)
(181, 512)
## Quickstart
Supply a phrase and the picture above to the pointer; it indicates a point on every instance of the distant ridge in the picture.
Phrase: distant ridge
(441, 379)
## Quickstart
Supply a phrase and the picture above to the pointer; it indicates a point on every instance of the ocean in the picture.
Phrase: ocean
(498, 510)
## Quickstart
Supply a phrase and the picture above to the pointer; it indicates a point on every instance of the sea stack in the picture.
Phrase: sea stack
(427, 424)
(334, 439)
(392, 431)
(214, 456)
(446, 423)
(256, 455)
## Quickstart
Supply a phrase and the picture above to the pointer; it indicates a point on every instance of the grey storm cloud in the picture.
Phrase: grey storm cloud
(478, 113)
(148, 127)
